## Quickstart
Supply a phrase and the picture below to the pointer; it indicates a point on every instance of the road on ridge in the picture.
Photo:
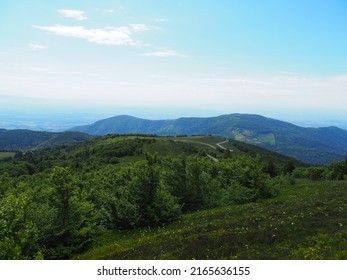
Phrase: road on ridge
(206, 144)
(219, 145)
(198, 142)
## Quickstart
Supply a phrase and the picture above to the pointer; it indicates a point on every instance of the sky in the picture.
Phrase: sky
(165, 59)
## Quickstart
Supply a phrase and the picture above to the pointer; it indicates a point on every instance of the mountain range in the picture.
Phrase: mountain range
(312, 145)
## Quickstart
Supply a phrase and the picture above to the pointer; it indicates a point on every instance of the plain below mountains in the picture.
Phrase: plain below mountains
(311, 145)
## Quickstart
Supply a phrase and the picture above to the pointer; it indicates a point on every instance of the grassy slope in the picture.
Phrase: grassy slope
(6, 155)
(307, 221)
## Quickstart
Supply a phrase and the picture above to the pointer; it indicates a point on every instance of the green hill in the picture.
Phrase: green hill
(126, 149)
(301, 223)
(183, 191)
(312, 145)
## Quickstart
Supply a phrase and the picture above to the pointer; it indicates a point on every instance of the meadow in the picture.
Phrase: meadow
(306, 221)
(6, 155)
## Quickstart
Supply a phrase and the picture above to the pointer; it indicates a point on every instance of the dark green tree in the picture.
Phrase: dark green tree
(289, 167)
(156, 204)
(74, 223)
(335, 171)
(18, 235)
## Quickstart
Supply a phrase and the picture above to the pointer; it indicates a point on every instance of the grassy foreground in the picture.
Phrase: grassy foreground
(307, 220)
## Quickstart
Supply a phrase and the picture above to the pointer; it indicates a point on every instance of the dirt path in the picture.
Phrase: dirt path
(212, 157)
(220, 145)
(202, 143)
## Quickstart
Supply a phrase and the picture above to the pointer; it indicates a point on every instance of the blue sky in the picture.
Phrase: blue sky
(176, 58)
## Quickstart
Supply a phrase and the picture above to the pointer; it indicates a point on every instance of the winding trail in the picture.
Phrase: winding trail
(212, 157)
(219, 145)
(198, 142)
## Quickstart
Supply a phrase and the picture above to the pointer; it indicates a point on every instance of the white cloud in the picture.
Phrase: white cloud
(74, 14)
(36, 47)
(117, 36)
(164, 53)
(111, 11)
(4, 53)
(139, 27)
(159, 19)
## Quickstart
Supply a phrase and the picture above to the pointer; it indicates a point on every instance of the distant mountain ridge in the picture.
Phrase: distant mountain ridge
(22, 139)
(312, 145)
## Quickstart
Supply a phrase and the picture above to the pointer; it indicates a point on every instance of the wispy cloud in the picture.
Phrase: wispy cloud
(289, 73)
(36, 47)
(117, 36)
(113, 10)
(46, 70)
(4, 53)
(74, 14)
(139, 27)
(164, 53)
(159, 19)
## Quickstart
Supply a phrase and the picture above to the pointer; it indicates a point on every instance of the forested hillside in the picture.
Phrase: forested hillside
(23, 139)
(56, 201)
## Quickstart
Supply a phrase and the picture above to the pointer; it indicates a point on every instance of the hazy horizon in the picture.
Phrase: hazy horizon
(46, 115)
(64, 63)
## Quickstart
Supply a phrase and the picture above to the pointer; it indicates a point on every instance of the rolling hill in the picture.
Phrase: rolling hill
(124, 191)
(22, 139)
(311, 145)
